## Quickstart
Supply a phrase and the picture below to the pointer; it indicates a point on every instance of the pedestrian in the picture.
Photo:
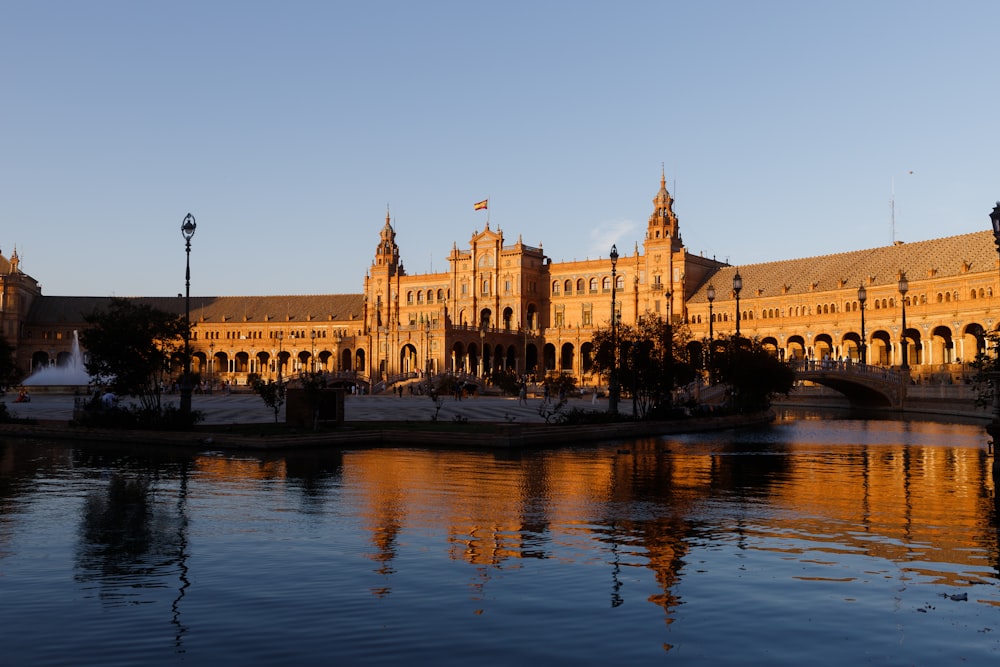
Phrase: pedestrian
(522, 394)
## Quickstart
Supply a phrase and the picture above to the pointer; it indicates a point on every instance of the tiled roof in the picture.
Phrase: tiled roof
(216, 309)
(944, 257)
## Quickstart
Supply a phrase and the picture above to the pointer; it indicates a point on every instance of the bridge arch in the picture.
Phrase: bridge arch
(863, 385)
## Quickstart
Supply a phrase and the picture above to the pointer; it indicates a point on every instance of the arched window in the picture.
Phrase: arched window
(606, 284)
(568, 287)
(620, 282)
(555, 287)
(409, 298)
(430, 296)
(593, 285)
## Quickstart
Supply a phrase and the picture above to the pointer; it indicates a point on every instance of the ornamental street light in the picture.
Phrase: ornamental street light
(668, 350)
(862, 297)
(312, 355)
(710, 293)
(281, 336)
(613, 379)
(904, 287)
(737, 286)
(994, 427)
(188, 225)
(211, 366)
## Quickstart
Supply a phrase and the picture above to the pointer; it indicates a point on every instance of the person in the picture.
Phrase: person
(522, 394)
(108, 400)
(593, 396)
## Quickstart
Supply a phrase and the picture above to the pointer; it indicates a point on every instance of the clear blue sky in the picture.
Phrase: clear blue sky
(287, 128)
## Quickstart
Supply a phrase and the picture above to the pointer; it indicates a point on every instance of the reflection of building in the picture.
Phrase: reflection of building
(503, 305)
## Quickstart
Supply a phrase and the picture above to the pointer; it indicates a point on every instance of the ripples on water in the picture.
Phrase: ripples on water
(810, 542)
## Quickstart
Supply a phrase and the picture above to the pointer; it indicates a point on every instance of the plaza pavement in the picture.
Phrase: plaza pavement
(249, 408)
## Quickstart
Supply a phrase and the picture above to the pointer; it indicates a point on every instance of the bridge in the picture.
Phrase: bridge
(863, 385)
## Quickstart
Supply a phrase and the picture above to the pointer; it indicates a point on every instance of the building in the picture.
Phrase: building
(506, 305)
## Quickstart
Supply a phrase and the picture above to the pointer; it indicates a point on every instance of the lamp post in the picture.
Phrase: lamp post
(862, 297)
(668, 350)
(211, 366)
(188, 225)
(482, 352)
(281, 336)
(994, 428)
(904, 287)
(312, 355)
(710, 293)
(737, 286)
(613, 376)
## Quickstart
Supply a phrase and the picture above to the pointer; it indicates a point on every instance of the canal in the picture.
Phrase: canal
(819, 540)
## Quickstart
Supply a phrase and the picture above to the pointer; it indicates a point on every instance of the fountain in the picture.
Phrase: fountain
(71, 376)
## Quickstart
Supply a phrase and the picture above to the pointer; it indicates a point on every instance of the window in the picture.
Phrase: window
(409, 298)
(593, 285)
(555, 287)
(606, 284)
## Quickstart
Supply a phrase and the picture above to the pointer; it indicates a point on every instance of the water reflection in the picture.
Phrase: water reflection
(594, 552)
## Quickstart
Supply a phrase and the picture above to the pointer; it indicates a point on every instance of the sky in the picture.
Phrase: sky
(289, 130)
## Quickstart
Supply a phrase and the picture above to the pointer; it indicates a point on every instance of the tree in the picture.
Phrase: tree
(986, 366)
(651, 361)
(9, 374)
(754, 374)
(273, 394)
(129, 346)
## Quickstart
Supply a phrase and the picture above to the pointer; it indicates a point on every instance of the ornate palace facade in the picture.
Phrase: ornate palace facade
(503, 304)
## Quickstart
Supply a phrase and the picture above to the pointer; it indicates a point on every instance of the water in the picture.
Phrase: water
(73, 373)
(819, 542)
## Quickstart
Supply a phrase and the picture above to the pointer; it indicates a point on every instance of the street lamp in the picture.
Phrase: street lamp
(211, 366)
(710, 293)
(188, 225)
(668, 350)
(281, 336)
(737, 286)
(995, 219)
(862, 297)
(904, 287)
(312, 355)
(613, 379)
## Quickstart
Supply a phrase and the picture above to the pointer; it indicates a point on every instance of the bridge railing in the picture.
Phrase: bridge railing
(849, 367)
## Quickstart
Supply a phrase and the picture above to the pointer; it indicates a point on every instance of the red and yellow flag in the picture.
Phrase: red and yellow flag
(480, 205)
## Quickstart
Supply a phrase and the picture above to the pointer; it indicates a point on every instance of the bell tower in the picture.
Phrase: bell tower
(663, 223)
(387, 252)
(664, 257)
